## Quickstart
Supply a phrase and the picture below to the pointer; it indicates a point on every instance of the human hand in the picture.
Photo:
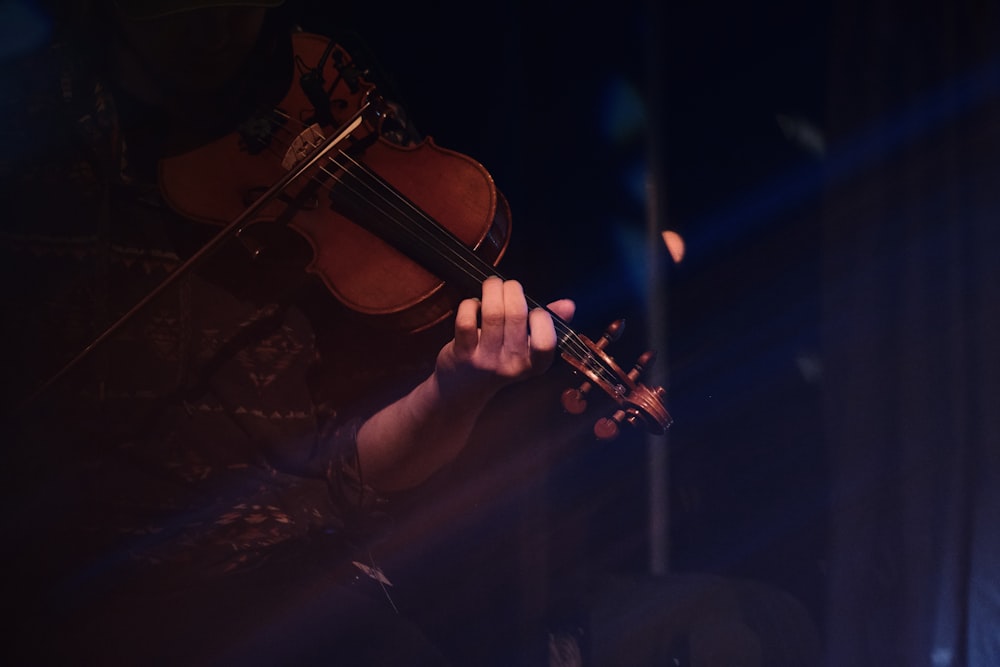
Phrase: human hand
(498, 340)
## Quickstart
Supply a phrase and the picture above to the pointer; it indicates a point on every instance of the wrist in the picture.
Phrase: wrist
(465, 393)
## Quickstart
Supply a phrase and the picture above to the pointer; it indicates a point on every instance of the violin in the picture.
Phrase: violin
(399, 233)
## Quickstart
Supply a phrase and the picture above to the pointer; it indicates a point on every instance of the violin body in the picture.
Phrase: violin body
(216, 182)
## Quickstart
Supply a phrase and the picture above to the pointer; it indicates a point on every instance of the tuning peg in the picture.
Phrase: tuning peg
(574, 401)
(644, 361)
(607, 428)
(611, 334)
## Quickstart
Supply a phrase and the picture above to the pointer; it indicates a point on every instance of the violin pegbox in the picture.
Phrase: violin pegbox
(637, 403)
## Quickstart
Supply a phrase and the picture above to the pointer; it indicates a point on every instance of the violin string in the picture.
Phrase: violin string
(442, 242)
(447, 245)
(446, 242)
(477, 269)
(416, 223)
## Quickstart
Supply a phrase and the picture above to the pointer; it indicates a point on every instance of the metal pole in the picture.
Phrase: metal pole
(656, 445)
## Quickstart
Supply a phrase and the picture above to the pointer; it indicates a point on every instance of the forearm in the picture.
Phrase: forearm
(406, 442)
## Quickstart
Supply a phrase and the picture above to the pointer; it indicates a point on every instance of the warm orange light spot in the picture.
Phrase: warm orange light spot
(675, 244)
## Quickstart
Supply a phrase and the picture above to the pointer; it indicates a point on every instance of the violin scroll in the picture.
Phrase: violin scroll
(637, 403)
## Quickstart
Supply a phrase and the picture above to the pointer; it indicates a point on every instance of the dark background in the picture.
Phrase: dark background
(567, 105)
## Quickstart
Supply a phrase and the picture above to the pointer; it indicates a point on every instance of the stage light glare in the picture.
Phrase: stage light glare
(675, 245)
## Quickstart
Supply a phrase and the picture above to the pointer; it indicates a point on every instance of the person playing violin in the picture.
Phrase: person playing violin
(203, 487)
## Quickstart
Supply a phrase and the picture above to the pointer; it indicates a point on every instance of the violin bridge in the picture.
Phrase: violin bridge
(303, 145)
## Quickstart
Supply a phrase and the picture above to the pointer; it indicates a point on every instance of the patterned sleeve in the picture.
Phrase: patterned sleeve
(338, 447)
